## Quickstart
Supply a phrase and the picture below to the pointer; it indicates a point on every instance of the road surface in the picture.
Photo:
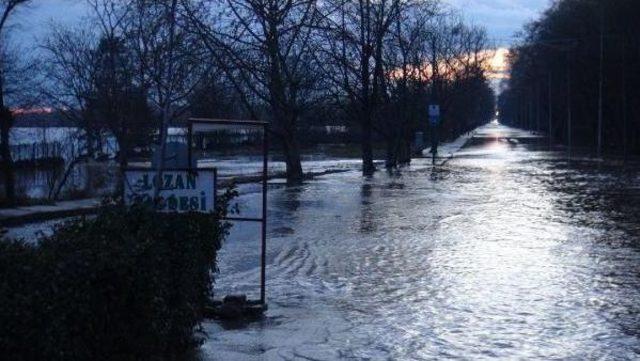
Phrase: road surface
(508, 250)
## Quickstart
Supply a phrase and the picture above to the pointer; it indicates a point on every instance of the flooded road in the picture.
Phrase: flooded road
(506, 251)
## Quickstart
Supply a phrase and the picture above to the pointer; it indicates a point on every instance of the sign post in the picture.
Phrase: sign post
(200, 125)
(193, 189)
(434, 122)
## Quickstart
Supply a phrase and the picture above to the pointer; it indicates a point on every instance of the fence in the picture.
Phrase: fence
(36, 151)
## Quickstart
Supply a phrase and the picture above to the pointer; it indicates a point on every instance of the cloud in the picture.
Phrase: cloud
(502, 18)
(32, 23)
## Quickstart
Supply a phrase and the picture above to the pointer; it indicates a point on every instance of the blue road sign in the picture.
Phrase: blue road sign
(434, 114)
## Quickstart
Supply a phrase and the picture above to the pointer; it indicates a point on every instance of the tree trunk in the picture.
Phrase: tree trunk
(366, 121)
(58, 190)
(123, 162)
(6, 121)
(404, 156)
(392, 158)
(292, 159)
(368, 168)
(167, 112)
(283, 103)
(366, 111)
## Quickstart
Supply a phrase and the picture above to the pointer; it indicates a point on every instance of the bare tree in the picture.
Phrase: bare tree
(265, 47)
(169, 60)
(7, 9)
(138, 64)
(353, 54)
(387, 60)
(407, 87)
(118, 102)
(70, 70)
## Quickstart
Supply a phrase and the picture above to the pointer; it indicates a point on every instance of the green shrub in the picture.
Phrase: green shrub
(127, 284)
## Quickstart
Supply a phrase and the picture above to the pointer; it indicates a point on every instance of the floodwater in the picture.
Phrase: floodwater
(37, 183)
(507, 251)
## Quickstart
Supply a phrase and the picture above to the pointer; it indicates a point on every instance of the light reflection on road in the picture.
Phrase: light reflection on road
(506, 251)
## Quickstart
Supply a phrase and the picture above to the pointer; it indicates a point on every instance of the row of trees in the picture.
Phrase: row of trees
(572, 76)
(142, 65)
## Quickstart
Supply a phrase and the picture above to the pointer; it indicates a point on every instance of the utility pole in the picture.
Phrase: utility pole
(569, 115)
(601, 81)
(538, 102)
(550, 111)
(520, 108)
(624, 99)
(530, 105)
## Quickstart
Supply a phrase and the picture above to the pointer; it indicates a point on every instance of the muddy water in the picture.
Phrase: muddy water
(508, 251)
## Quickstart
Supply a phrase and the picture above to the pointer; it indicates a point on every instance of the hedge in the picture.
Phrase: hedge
(127, 284)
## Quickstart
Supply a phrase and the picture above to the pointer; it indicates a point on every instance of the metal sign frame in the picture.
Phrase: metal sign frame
(264, 126)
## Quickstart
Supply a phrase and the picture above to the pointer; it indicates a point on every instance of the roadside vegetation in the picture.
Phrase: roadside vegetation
(127, 284)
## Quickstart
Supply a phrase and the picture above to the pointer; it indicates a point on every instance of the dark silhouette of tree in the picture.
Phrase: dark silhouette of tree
(572, 76)
(264, 48)
(117, 104)
(353, 61)
(385, 61)
(7, 9)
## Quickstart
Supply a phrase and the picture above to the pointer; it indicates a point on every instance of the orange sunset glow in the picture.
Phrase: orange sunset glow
(499, 64)
(496, 64)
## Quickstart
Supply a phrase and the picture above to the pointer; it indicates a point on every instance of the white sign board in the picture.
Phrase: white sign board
(180, 191)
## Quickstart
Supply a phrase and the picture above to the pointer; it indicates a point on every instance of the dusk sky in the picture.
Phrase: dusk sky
(502, 18)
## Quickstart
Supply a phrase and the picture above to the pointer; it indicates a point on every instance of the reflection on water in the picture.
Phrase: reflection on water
(506, 251)
(95, 179)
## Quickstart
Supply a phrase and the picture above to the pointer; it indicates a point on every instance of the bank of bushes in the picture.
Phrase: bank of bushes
(128, 284)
